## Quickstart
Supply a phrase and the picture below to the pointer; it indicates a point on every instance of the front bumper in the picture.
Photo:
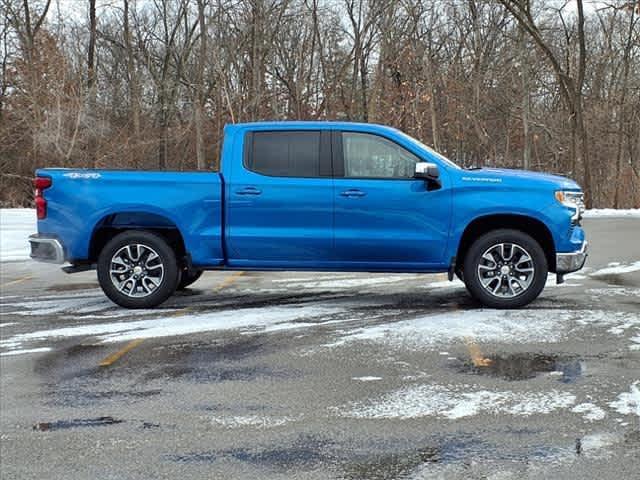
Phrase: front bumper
(46, 249)
(571, 262)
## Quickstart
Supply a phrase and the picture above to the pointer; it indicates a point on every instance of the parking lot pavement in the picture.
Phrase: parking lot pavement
(322, 375)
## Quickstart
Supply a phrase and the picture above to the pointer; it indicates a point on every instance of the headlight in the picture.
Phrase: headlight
(572, 199)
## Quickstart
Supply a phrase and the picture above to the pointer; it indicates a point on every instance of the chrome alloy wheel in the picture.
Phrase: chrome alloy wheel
(136, 270)
(506, 270)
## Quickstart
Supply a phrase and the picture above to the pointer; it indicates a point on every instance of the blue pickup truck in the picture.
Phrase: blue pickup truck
(321, 196)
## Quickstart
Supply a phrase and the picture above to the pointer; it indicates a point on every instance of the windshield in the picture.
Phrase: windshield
(430, 150)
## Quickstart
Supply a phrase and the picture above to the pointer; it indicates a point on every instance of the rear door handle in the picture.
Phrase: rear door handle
(353, 192)
(249, 191)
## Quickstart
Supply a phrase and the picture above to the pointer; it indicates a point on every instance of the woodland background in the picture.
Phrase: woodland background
(149, 84)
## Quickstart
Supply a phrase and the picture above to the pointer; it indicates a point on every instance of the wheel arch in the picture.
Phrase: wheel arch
(524, 223)
(114, 223)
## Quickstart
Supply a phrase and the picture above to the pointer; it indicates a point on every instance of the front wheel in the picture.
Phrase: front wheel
(505, 269)
(137, 269)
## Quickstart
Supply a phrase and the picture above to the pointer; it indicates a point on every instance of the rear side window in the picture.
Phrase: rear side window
(285, 153)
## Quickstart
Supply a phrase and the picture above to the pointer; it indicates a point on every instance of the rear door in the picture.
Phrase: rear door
(280, 200)
(385, 218)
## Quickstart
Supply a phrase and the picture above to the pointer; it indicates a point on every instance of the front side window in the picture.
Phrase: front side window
(371, 156)
(286, 153)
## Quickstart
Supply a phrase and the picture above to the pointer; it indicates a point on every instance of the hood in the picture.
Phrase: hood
(510, 176)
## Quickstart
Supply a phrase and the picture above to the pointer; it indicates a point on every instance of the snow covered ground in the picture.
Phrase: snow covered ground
(616, 268)
(16, 224)
(458, 401)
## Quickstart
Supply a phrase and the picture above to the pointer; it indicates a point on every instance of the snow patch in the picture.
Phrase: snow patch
(22, 352)
(511, 326)
(256, 421)
(455, 283)
(250, 319)
(591, 411)
(616, 268)
(80, 304)
(17, 224)
(597, 441)
(505, 326)
(454, 402)
(611, 212)
(366, 379)
(628, 403)
(613, 292)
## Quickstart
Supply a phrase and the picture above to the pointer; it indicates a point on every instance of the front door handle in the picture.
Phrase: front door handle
(249, 191)
(353, 192)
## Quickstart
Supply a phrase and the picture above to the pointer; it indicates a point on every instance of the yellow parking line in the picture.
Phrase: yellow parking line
(134, 343)
(16, 281)
(115, 356)
(228, 281)
(477, 358)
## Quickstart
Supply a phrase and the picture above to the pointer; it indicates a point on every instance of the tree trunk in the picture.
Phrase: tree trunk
(134, 87)
(622, 117)
(200, 93)
(91, 82)
(526, 102)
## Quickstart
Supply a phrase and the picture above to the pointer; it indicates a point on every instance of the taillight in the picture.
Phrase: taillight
(41, 184)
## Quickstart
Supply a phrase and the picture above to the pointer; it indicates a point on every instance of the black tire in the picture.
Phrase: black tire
(167, 279)
(474, 258)
(188, 277)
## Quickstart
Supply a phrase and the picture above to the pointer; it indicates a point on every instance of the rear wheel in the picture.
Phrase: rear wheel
(137, 269)
(505, 269)
(188, 277)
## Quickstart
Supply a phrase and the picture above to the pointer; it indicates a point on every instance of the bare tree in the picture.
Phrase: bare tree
(151, 84)
(570, 79)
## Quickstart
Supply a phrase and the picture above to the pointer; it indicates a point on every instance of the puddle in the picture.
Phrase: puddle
(392, 465)
(614, 279)
(211, 373)
(525, 366)
(201, 457)
(81, 349)
(308, 451)
(298, 456)
(74, 396)
(65, 424)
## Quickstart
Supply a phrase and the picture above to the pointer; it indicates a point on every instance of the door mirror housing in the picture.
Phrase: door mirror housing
(429, 172)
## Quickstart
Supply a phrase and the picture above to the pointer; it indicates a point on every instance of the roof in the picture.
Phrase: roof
(324, 124)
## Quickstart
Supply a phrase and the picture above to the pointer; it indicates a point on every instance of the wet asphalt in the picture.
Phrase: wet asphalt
(376, 377)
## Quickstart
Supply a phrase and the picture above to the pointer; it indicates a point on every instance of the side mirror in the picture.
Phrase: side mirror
(429, 172)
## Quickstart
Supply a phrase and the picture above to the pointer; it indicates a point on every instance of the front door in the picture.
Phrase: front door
(384, 218)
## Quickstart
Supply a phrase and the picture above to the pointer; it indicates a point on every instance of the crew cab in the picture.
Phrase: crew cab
(318, 196)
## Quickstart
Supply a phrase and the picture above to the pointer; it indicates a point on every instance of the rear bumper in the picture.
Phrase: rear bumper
(571, 262)
(46, 249)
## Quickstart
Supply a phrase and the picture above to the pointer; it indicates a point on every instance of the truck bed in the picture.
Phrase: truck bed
(79, 202)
